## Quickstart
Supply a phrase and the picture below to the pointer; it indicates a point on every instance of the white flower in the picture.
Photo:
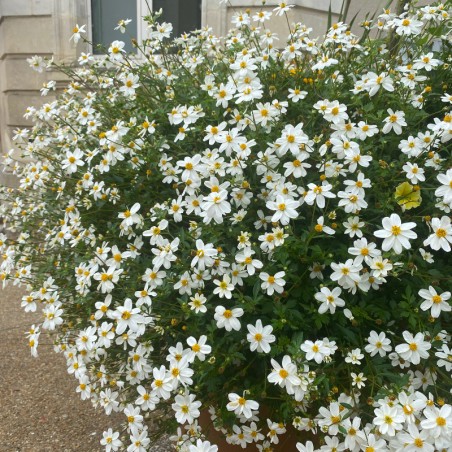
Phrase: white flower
(414, 173)
(37, 63)
(346, 274)
(215, 206)
(351, 202)
(76, 33)
(241, 406)
(228, 318)
(315, 350)
(364, 251)
(285, 375)
(395, 121)
(354, 357)
(202, 446)
(358, 380)
(408, 26)
(164, 254)
(161, 384)
(442, 234)
(439, 420)
(199, 348)
(388, 419)
(414, 349)
(139, 440)
(273, 283)
(134, 418)
(116, 50)
(295, 94)
(130, 217)
(318, 193)
(225, 287)
(353, 227)
(378, 343)
(73, 161)
(329, 299)
(307, 447)
(180, 372)
(283, 7)
(396, 234)
(413, 440)
(426, 62)
(445, 357)
(445, 190)
(380, 267)
(186, 408)
(122, 24)
(320, 227)
(197, 303)
(260, 337)
(434, 301)
(108, 279)
(331, 419)
(428, 257)
(127, 317)
(130, 84)
(111, 440)
(285, 209)
(146, 400)
(374, 82)
(250, 264)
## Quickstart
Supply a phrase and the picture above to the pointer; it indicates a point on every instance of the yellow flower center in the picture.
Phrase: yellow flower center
(437, 299)
(440, 421)
(283, 373)
(227, 313)
(126, 315)
(395, 230)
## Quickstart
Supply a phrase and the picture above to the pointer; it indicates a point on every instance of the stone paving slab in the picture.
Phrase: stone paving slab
(39, 408)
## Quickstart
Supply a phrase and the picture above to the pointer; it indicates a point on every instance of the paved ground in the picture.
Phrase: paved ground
(39, 408)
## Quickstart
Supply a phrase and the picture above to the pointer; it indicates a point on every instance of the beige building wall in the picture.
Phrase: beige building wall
(43, 27)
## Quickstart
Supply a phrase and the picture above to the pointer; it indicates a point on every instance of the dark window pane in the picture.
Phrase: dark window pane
(185, 15)
(105, 16)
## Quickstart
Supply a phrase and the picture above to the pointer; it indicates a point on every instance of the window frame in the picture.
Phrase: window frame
(142, 10)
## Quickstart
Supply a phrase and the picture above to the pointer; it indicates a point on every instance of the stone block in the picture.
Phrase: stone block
(15, 104)
(27, 35)
(17, 75)
(26, 7)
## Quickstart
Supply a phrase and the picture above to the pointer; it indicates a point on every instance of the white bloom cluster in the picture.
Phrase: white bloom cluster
(196, 229)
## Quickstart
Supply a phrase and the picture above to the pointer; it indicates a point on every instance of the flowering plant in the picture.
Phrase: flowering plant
(218, 223)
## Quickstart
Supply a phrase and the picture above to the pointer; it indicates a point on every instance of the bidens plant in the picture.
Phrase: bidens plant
(251, 226)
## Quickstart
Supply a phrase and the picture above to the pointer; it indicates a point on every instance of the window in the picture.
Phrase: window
(105, 15)
(185, 15)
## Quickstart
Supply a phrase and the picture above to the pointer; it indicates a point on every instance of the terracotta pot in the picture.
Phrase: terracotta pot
(287, 442)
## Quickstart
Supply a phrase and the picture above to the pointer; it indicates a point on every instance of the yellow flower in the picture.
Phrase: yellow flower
(407, 196)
